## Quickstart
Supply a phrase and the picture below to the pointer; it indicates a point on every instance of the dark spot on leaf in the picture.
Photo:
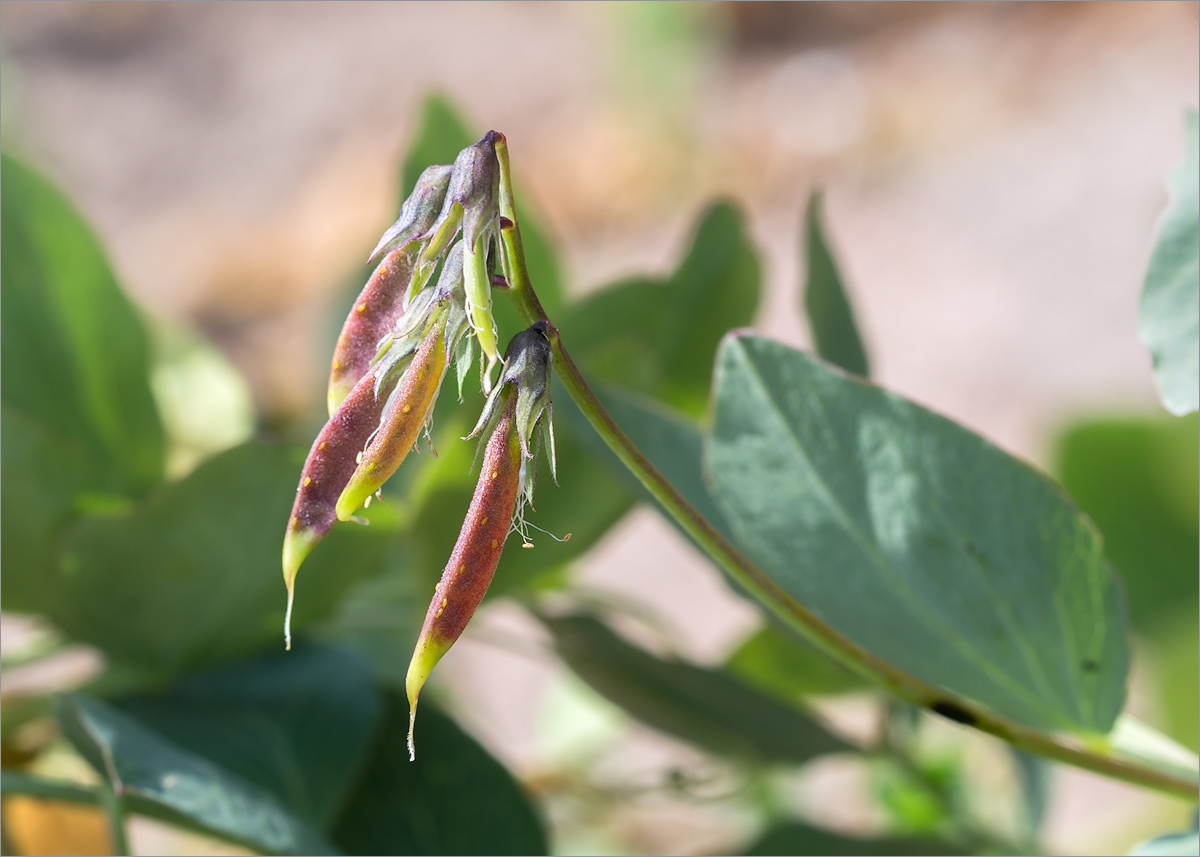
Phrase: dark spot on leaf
(954, 712)
(1090, 666)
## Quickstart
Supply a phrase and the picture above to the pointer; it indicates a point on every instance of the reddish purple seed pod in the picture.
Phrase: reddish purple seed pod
(476, 554)
(328, 468)
(376, 311)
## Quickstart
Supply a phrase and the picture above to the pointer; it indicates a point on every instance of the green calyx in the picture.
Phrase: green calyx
(419, 212)
(526, 374)
(447, 299)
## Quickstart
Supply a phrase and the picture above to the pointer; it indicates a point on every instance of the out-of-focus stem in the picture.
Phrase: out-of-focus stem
(1090, 757)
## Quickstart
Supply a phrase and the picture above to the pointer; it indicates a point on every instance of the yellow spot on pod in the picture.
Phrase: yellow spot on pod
(337, 364)
(323, 445)
(493, 542)
(407, 409)
(494, 474)
(295, 520)
(307, 481)
(382, 270)
(484, 521)
(362, 307)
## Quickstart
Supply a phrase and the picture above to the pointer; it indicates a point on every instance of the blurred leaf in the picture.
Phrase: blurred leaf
(206, 404)
(1137, 480)
(673, 443)
(911, 803)
(1177, 673)
(715, 288)
(780, 662)
(1169, 322)
(74, 351)
(48, 479)
(161, 779)
(1136, 740)
(1033, 778)
(708, 708)
(795, 837)
(1170, 844)
(659, 336)
(295, 724)
(380, 617)
(80, 424)
(917, 539)
(612, 333)
(194, 577)
(454, 799)
(826, 303)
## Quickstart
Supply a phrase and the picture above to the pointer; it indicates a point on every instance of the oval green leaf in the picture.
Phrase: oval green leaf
(454, 799)
(162, 779)
(917, 539)
(1169, 322)
(708, 708)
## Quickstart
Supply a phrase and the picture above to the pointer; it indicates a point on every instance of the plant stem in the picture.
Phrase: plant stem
(766, 591)
(114, 805)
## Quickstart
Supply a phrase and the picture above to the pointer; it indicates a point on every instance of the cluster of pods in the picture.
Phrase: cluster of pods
(395, 349)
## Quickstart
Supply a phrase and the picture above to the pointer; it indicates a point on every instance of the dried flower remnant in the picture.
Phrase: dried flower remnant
(519, 411)
(473, 203)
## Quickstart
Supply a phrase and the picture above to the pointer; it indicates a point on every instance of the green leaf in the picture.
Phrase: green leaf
(708, 708)
(194, 577)
(48, 479)
(612, 333)
(297, 724)
(715, 288)
(74, 351)
(454, 799)
(795, 837)
(79, 421)
(673, 443)
(826, 303)
(1137, 480)
(1171, 844)
(780, 662)
(659, 336)
(1033, 781)
(917, 539)
(1169, 321)
(160, 779)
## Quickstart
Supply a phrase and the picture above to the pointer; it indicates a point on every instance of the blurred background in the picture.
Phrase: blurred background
(992, 175)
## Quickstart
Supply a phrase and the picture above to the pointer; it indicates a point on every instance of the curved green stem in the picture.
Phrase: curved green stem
(766, 591)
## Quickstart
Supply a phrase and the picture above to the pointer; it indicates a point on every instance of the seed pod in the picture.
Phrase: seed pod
(474, 558)
(407, 411)
(374, 313)
(515, 410)
(330, 463)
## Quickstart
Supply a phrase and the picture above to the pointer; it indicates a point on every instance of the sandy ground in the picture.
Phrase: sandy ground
(992, 175)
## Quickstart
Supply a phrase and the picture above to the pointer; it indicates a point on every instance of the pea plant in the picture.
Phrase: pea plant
(894, 554)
